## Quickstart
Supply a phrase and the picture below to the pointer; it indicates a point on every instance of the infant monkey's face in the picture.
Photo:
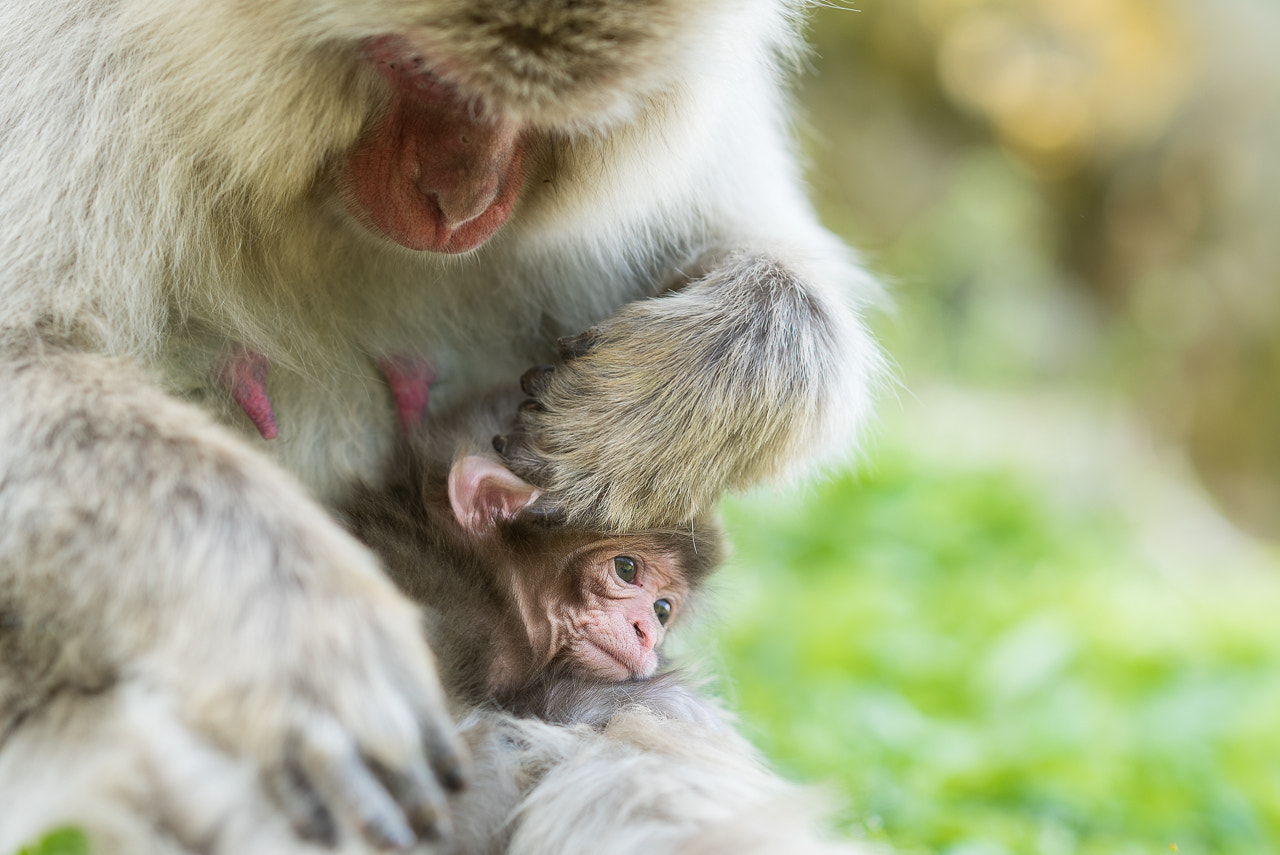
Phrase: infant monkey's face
(596, 604)
(629, 590)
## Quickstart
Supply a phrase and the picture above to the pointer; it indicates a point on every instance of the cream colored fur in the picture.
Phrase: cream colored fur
(113, 761)
(164, 191)
(167, 195)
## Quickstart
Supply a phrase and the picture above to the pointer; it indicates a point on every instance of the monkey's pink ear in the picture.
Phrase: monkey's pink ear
(483, 491)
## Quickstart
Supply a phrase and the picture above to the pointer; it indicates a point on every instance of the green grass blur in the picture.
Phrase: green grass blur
(59, 841)
(975, 667)
(1008, 652)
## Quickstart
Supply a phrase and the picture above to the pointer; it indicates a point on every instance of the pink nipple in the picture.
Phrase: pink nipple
(409, 378)
(244, 374)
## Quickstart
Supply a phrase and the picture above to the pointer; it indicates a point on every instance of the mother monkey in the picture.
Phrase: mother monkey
(240, 244)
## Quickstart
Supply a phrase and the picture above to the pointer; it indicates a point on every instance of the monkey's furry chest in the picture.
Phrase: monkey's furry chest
(332, 404)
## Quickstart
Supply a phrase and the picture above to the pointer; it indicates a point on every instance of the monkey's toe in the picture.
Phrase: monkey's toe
(575, 346)
(348, 784)
(519, 455)
(535, 381)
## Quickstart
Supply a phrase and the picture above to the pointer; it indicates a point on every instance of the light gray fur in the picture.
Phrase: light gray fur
(114, 762)
(655, 784)
(172, 593)
(162, 228)
(141, 544)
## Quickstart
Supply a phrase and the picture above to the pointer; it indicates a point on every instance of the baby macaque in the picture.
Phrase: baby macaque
(514, 597)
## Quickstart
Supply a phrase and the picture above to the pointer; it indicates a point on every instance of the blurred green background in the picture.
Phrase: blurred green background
(1043, 615)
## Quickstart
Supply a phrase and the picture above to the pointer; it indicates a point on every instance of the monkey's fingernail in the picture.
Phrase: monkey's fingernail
(454, 777)
(319, 828)
(390, 832)
(436, 831)
(451, 766)
(535, 380)
(500, 444)
(574, 346)
(530, 405)
(306, 811)
(546, 514)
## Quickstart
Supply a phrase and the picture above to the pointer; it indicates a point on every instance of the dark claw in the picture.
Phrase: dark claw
(435, 831)
(389, 833)
(341, 777)
(514, 449)
(421, 800)
(453, 775)
(535, 380)
(545, 514)
(306, 811)
(453, 778)
(574, 346)
(452, 767)
(519, 456)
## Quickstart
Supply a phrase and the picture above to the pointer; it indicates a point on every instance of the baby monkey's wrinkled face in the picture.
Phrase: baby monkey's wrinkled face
(598, 605)
(632, 587)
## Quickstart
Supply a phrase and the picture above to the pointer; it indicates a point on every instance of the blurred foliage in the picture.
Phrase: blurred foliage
(1073, 200)
(60, 841)
(1073, 191)
(980, 668)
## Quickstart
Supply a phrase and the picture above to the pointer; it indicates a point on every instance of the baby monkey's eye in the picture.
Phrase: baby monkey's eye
(625, 568)
(662, 608)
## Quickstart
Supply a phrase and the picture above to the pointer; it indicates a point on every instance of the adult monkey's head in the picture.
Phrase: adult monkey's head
(471, 81)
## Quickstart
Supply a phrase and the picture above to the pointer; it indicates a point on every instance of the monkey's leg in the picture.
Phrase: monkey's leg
(642, 784)
(142, 546)
(654, 413)
(120, 766)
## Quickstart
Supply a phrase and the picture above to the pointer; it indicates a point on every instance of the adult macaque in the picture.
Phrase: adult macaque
(513, 599)
(296, 217)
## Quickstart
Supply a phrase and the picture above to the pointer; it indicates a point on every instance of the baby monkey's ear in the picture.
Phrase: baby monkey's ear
(483, 492)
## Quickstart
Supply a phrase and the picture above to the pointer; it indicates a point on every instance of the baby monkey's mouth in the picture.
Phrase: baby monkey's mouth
(590, 658)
